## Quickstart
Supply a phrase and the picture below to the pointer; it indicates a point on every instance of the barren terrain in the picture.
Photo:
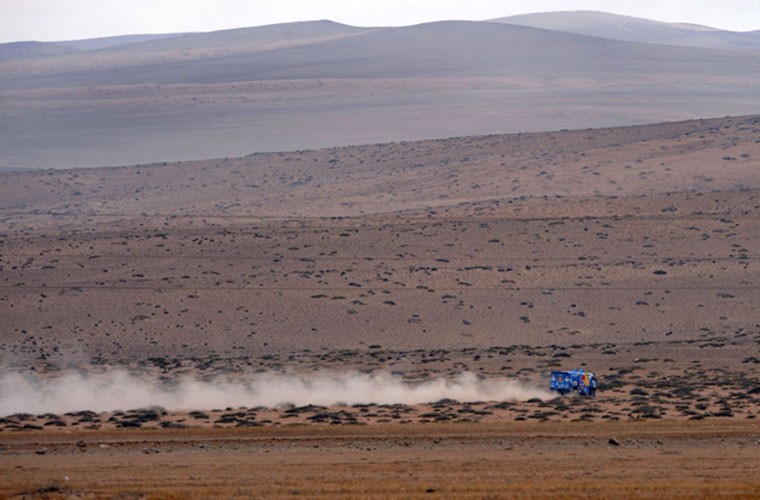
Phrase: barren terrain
(630, 251)
(643, 234)
(621, 460)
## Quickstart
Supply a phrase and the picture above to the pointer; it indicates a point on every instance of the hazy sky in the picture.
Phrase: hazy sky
(72, 19)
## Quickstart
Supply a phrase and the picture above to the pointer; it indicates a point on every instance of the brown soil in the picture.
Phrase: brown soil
(620, 460)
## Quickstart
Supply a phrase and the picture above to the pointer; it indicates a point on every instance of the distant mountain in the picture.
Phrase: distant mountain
(321, 84)
(634, 29)
(111, 59)
(255, 38)
(89, 44)
(33, 49)
(269, 36)
(329, 50)
(30, 50)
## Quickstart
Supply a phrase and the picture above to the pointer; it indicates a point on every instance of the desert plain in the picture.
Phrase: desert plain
(630, 251)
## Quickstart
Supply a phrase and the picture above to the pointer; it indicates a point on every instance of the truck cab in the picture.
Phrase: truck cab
(579, 380)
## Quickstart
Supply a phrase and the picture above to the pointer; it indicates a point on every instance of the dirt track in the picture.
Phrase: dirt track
(665, 460)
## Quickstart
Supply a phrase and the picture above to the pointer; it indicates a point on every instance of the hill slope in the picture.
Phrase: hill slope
(89, 44)
(31, 50)
(118, 62)
(634, 29)
(593, 238)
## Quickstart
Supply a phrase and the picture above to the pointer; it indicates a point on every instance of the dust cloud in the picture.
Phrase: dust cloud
(119, 390)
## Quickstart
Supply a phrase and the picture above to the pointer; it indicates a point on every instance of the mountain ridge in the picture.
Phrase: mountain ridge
(321, 84)
(636, 29)
(429, 49)
(582, 22)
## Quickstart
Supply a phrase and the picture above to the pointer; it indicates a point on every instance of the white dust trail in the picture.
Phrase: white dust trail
(119, 390)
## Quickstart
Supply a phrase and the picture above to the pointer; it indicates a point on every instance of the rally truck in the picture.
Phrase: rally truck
(579, 380)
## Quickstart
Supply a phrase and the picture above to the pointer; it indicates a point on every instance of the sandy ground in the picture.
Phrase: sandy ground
(620, 460)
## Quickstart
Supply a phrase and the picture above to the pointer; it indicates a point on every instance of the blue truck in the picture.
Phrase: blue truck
(579, 380)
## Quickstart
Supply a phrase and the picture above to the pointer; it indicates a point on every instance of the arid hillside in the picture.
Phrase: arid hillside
(315, 260)
(640, 234)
